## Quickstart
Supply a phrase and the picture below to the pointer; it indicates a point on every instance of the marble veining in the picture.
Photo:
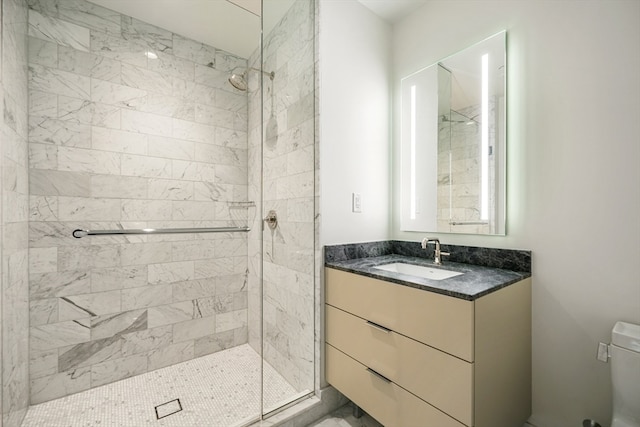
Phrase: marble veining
(509, 259)
(88, 353)
(480, 276)
(63, 33)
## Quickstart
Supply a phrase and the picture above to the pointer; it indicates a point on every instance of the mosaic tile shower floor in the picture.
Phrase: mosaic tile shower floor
(218, 390)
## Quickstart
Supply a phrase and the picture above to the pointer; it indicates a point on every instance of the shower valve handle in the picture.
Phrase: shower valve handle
(271, 219)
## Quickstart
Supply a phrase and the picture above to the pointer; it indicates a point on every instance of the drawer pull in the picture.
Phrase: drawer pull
(379, 375)
(377, 326)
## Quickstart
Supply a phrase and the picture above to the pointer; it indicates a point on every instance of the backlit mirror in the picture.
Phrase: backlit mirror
(453, 142)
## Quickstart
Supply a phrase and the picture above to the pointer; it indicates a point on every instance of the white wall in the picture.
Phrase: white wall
(573, 175)
(354, 122)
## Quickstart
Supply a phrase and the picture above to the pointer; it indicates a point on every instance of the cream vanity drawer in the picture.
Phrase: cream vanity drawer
(382, 399)
(442, 380)
(440, 321)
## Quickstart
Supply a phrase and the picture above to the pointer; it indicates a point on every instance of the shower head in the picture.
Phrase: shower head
(239, 81)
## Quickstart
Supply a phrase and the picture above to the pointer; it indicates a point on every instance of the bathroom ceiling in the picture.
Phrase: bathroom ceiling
(218, 23)
(231, 25)
(393, 11)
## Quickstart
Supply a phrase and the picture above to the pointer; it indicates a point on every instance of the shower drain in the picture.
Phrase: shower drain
(168, 408)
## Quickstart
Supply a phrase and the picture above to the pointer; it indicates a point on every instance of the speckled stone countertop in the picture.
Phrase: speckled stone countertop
(477, 279)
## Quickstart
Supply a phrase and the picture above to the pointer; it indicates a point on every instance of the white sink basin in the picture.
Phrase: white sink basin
(419, 271)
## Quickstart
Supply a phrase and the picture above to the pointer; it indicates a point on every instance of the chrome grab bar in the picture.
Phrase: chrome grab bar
(79, 233)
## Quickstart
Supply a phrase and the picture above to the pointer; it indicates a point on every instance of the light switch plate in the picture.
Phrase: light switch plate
(356, 203)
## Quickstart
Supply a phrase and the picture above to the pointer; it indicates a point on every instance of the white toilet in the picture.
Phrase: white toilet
(625, 374)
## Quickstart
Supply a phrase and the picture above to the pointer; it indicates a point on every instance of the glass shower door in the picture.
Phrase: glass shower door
(288, 196)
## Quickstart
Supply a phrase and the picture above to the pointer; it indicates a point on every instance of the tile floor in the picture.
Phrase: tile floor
(218, 390)
(343, 417)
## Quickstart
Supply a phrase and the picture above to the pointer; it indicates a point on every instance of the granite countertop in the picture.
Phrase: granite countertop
(474, 283)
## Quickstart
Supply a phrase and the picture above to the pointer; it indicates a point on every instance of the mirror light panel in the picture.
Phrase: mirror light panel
(484, 178)
(413, 152)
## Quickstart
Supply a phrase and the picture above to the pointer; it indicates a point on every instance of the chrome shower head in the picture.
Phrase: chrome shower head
(238, 81)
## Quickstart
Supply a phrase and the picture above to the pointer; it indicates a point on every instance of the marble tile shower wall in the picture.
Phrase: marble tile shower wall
(459, 171)
(288, 172)
(14, 236)
(123, 139)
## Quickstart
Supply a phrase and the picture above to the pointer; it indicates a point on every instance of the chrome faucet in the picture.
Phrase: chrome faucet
(437, 259)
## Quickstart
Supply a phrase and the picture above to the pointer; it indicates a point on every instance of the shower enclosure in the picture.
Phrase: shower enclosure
(154, 159)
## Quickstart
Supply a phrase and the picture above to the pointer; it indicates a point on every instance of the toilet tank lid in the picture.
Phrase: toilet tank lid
(626, 335)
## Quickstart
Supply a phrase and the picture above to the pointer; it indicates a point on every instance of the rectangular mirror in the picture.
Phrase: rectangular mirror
(453, 143)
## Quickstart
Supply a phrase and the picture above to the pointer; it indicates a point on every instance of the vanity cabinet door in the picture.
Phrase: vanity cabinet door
(382, 399)
(437, 320)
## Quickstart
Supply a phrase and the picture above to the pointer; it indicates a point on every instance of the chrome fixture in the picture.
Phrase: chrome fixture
(239, 80)
(271, 219)
(271, 129)
(79, 233)
(437, 259)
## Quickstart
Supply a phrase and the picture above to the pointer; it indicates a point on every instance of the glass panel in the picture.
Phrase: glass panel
(155, 138)
(288, 160)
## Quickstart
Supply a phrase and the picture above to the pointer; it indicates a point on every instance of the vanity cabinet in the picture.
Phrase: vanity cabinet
(411, 357)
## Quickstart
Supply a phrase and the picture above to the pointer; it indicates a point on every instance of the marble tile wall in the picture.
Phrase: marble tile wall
(14, 202)
(120, 138)
(288, 164)
(459, 172)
